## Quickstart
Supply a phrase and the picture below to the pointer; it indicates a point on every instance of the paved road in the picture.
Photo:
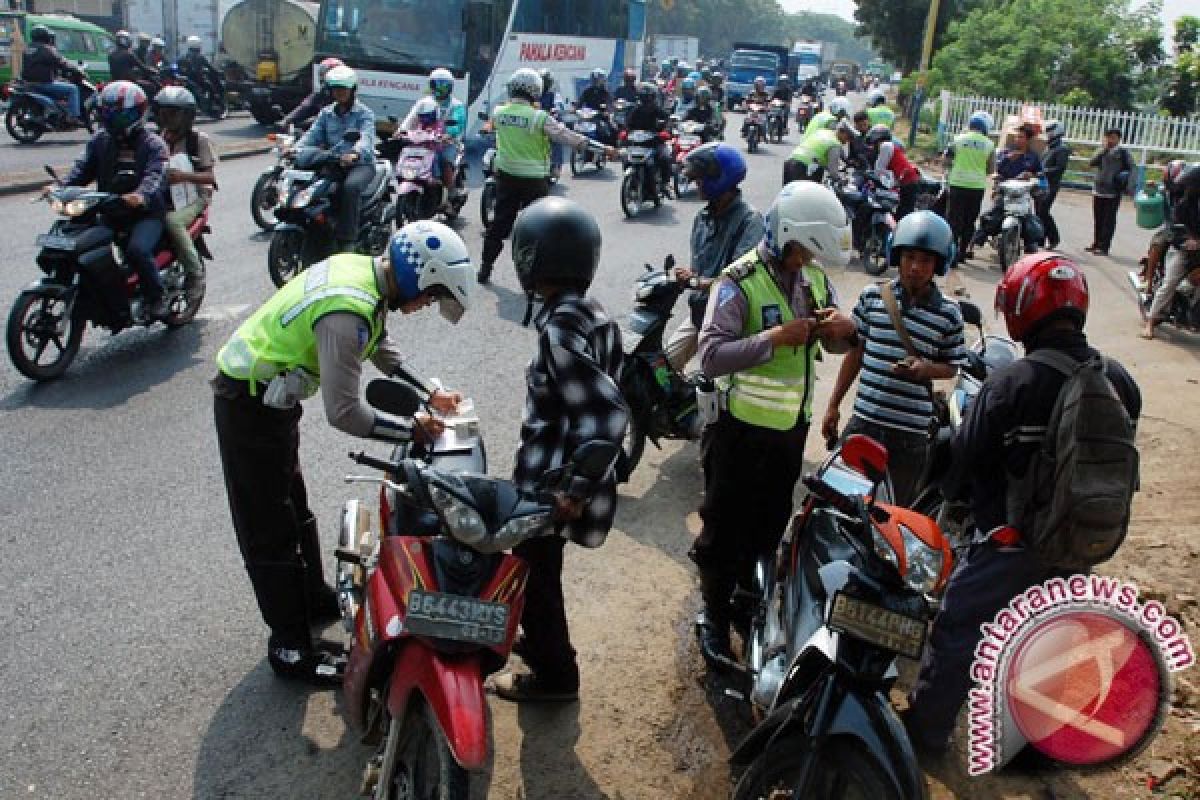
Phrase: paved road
(134, 661)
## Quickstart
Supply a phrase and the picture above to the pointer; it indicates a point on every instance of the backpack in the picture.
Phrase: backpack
(1073, 504)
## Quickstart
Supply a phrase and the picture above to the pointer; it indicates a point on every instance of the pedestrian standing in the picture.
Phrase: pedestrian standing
(1114, 168)
(971, 157)
(1054, 166)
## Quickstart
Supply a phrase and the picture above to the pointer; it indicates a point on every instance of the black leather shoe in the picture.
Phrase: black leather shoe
(312, 666)
(714, 646)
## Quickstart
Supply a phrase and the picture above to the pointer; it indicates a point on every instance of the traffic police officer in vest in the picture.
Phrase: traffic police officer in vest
(971, 158)
(314, 333)
(767, 318)
(523, 136)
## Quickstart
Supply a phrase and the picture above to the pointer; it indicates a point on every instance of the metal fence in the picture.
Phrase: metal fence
(1151, 138)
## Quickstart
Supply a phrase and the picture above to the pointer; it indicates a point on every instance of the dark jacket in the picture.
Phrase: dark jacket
(124, 65)
(196, 66)
(1008, 168)
(641, 118)
(99, 163)
(1109, 164)
(42, 63)
(626, 93)
(1185, 210)
(1005, 423)
(1054, 163)
(596, 97)
(699, 113)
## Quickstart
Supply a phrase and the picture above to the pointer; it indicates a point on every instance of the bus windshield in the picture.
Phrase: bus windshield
(760, 61)
(417, 34)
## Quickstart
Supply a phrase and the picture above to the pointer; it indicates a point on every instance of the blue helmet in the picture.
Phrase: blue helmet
(716, 168)
(923, 230)
(688, 85)
(981, 121)
(429, 258)
(695, 75)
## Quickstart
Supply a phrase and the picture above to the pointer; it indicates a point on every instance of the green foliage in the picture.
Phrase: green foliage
(1077, 97)
(1183, 78)
(897, 27)
(1045, 49)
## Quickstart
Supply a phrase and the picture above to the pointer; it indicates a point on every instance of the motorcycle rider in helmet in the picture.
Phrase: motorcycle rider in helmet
(1044, 300)
(892, 405)
(758, 93)
(687, 98)
(310, 336)
(552, 103)
(447, 110)
(124, 64)
(648, 116)
(596, 97)
(704, 111)
(768, 315)
(1184, 190)
(524, 134)
(877, 111)
(196, 66)
(627, 91)
(723, 231)
(573, 396)
(1055, 160)
(190, 176)
(157, 53)
(317, 99)
(143, 46)
(124, 145)
(783, 92)
(345, 114)
(41, 65)
(889, 158)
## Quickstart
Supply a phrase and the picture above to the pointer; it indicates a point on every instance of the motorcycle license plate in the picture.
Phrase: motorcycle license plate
(587, 127)
(457, 618)
(878, 626)
(298, 174)
(55, 242)
(689, 141)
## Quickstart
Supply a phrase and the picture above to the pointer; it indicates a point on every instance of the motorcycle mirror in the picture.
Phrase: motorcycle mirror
(864, 454)
(393, 397)
(669, 262)
(971, 313)
(594, 459)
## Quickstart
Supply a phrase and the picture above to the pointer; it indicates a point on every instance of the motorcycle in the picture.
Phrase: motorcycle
(209, 93)
(931, 195)
(754, 128)
(586, 121)
(621, 109)
(432, 601)
(1184, 309)
(847, 591)
(839, 88)
(487, 197)
(421, 194)
(777, 114)
(640, 183)
(275, 182)
(32, 114)
(662, 401)
(806, 109)
(87, 279)
(691, 135)
(872, 203)
(1018, 223)
(307, 217)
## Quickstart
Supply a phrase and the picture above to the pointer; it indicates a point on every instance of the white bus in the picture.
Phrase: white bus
(393, 45)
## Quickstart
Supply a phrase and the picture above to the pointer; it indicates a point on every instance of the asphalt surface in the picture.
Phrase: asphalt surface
(135, 663)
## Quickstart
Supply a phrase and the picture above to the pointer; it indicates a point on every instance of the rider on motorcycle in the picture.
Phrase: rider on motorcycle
(687, 98)
(442, 107)
(1160, 242)
(889, 157)
(1185, 211)
(316, 100)
(345, 114)
(717, 83)
(125, 145)
(42, 63)
(704, 111)
(143, 46)
(877, 110)
(1017, 162)
(597, 97)
(758, 93)
(196, 67)
(124, 64)
(627, 91)
(157, 53)
(191, 184)
(648, 116)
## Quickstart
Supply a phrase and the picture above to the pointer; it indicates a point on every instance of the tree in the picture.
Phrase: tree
(1044, 49)
(897, 27)
(1183, 90)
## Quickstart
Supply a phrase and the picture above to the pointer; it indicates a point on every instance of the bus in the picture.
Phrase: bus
(394, 44)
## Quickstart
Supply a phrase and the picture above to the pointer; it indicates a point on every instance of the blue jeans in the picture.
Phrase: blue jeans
(61, 89)
(139, 251)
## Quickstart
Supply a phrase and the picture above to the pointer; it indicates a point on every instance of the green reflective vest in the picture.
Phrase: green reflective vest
(971, 153)
(814, 150)
(278, 337)
(522, 147)
(881, 115)
(819, 122)
(772, 394)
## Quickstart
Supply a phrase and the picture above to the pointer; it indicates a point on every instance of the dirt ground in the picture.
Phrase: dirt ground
(648, 727)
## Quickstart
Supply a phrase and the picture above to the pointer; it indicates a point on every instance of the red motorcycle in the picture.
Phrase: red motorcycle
(433, 604)
(754, 129)
(690, 136)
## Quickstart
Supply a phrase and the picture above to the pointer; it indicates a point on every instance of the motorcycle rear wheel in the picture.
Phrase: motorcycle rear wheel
(264, 199)
(32, 322)
(842, 772)
(1010, 248)
(631, 194)
(425, 769)
(285, 256)
(752, 140)
(14, 123)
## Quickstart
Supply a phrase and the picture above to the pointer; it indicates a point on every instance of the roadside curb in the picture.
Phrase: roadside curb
(21, 182)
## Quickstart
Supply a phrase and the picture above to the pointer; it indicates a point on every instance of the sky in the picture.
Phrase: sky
(845, 8)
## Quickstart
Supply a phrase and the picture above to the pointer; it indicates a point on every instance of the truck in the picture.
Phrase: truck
(804, 62)
(174, 21)
(267, 49)
(844, 69)
(668, 46)
(750, 60)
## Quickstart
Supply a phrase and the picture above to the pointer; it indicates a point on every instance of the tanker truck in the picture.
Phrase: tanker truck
(267, 48)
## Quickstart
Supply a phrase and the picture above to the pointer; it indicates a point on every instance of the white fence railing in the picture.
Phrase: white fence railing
(1141, 134)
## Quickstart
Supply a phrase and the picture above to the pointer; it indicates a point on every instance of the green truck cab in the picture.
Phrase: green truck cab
(78, 41)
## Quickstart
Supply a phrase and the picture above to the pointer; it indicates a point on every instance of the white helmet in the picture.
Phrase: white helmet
(426, 105)
(158, 42)
(194, 43)
(811, 215)
(342, 77)
(1054, 129)
(429, 257)
(526, 82)
(839, 107)
(876, 97)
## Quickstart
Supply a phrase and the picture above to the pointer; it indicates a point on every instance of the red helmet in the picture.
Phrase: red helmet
(1039, 287)
(324, 67)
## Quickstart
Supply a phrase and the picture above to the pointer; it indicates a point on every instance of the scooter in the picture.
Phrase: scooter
(274, 184)
(586, 121)
(846, 592)
(432, 600)
(777, 114)
(662, 402)
(754, 129)
(1019, 223)
(641, 183)
(32, 114)
(806, 109)
(421, 194)
(874, 211)
(1184, 309)
(87, 279)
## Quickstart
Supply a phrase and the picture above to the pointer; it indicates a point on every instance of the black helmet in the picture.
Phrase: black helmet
(40, 34)
(647, 93)
(555, 241)
(878, 134)
(923, 230)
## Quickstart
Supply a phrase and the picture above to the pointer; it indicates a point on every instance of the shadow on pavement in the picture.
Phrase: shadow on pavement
(550, 769)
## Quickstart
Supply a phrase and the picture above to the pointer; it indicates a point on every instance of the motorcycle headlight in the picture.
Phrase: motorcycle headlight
(519, 529)
(303, 198)
(58, 207)
(77, 207)
(883, 548)
(924, 563)
(408, 173)
(462, 521)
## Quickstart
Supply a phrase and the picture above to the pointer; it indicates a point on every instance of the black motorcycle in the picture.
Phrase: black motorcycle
(662, 402)
(208, 92)
(873, 209)
(308, 215)
(846, 592)
(1184, 309)
(777, 120)
(86, 279)
(32, 114)
(273, 184)
(641, 182)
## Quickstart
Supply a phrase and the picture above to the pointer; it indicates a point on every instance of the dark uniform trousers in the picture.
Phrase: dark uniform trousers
(512, 195)
(962, 209)
(547, 648)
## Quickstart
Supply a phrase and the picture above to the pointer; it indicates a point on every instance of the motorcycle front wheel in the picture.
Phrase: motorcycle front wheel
(42, 340)
(631, 193)
(20, 127)
(487, 204)
(423, 766)
(285, 256)
(181, 310)
(264, 199)
(1010, 248)
(752, 140)
(873, 258)
(842, 771)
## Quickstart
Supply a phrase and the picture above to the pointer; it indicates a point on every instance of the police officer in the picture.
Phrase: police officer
(877, 110)
(971, 157)
(766, 320)
(818, 154)
(314, 334)
(523, 137)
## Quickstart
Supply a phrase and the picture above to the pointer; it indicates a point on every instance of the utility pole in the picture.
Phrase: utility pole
(923, 71)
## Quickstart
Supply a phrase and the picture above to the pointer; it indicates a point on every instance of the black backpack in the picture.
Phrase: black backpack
(1073, 503)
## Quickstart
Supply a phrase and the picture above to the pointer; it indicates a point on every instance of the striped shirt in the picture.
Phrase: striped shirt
(935, 326)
